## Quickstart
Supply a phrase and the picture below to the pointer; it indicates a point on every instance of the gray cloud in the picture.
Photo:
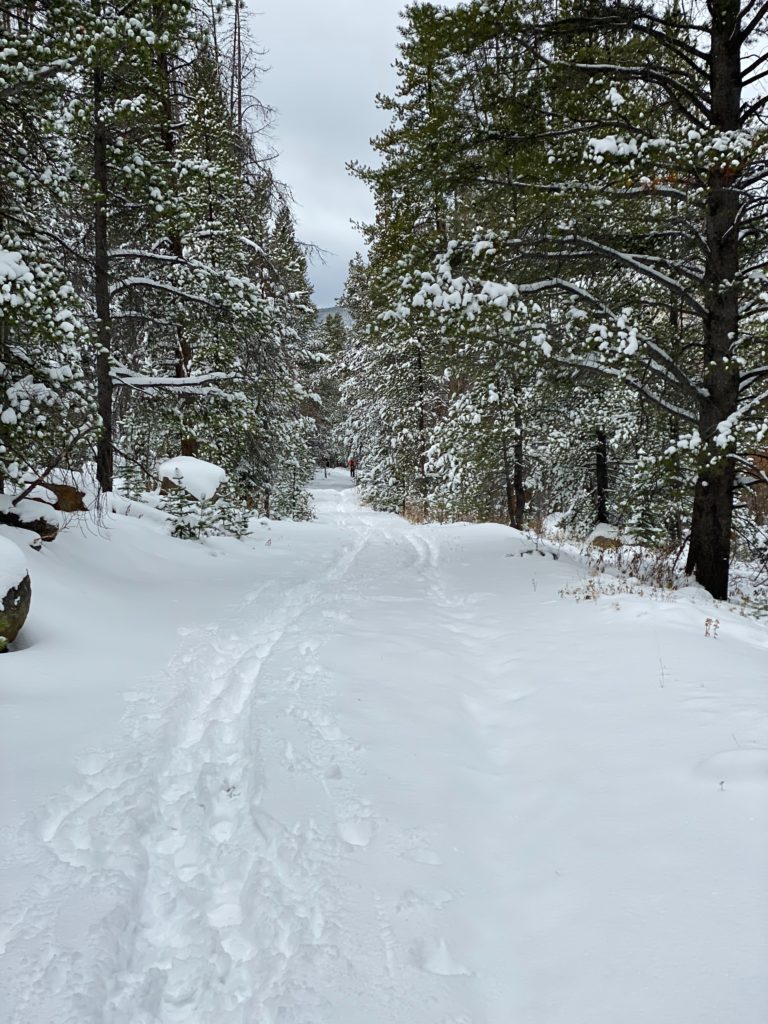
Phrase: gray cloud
(326, 63)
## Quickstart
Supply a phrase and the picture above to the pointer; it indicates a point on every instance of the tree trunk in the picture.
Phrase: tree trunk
(422, 433)
(105, 387)
(710, 546)
(509, 486)
(518, 473)
(183, 359)
(601, 476)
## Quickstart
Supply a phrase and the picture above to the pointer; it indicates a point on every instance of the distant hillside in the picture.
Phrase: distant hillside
(323, 314)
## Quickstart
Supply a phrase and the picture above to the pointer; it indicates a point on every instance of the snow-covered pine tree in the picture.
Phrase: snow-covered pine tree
(329, 343)
(46, 413)
(651, 166)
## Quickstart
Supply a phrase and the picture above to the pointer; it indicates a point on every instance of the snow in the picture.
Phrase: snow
(604, 531)
(615, 98)
(29, 511)
(613, 145)
(199, 478)
(21, 538)
(13, 566)
(358, 770)
(12, 267)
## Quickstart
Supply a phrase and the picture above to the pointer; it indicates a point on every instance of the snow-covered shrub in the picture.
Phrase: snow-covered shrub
(193, 518)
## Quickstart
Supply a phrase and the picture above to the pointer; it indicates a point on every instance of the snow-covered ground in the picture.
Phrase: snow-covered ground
(361, 772)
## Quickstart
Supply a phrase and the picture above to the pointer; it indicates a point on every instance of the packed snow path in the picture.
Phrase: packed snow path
(406, 782)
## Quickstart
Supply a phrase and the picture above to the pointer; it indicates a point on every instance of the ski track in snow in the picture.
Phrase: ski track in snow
(212, 909)
(243, 866)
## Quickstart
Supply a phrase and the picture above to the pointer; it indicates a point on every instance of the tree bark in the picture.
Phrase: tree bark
(711, 525)
(183, 359)
(509, 486)
(601, 476)
(104, 383)
(518, 471)
(422, 432)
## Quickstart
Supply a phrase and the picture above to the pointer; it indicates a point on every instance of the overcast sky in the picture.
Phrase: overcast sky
(327, 60)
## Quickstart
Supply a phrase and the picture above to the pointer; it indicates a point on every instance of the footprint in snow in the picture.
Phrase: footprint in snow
(423, 856)
(435, 958)
(416, 899)
(92, 764)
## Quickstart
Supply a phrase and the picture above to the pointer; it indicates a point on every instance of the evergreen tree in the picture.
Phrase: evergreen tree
(46, 411)
(599, 223)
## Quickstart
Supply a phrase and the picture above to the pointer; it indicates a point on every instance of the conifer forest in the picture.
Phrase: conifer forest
(562, 306)
(392, 656)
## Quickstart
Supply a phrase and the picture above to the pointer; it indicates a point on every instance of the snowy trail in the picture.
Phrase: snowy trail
(408, 784)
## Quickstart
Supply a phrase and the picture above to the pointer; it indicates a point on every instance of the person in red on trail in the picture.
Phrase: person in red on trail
(352, 467)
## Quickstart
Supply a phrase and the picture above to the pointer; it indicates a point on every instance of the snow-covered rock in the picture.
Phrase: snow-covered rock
(197, 477)
(15, 592)
(30, 515)
(41, 493)
(605, 537)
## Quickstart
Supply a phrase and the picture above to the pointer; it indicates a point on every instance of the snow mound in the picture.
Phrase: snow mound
(199, 478)
(13, 566)
(743, 766)
(438, 960)
(28, 511)
(20, 538)
(604, 536)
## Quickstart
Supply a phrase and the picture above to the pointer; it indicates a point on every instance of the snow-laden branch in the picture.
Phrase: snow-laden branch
(593, 365)
(632, 192)
(664, 364)
(153, 283)
(39, 75)
(628, 260)
(144, 254)
(644, 74)
(204, 384)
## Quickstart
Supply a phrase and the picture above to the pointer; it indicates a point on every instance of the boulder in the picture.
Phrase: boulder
(30, 515)
(605, 537)
(168, 486)
(197, 477)
(68, 498)
(14, 611)
(15, 592)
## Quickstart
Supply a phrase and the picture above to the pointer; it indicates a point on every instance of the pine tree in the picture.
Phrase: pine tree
(608, 216)
(46, 414)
